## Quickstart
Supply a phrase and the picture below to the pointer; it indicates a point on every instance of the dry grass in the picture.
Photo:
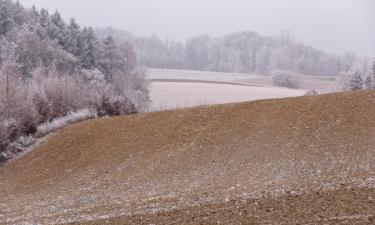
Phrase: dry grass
(297, 160)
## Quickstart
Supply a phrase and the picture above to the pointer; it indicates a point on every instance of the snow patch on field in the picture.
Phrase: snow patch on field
(172, 95)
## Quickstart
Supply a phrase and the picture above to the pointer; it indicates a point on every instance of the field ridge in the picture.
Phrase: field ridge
(306, 160)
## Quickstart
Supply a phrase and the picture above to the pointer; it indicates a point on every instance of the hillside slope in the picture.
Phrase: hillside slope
(307, 160)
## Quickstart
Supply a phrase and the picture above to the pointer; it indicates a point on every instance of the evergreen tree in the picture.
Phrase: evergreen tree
(57, 29)
(6, 20)
(370, 80)
(356, 82)
(73, 38)
(129, 57)
(28, 51)
(111, 60)
(34, 12)
(90, 51)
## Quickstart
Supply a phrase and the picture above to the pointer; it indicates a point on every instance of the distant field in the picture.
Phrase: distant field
(321, 83)
(197, 75)
(172, 89)
(171, 95)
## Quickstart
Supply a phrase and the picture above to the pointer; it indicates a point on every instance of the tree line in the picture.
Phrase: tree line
(240, 52)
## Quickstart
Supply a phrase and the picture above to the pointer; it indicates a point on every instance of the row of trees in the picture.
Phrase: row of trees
(241, 52)
(49, 68)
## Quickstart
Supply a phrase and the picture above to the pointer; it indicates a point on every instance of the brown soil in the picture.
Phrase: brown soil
(307, 160)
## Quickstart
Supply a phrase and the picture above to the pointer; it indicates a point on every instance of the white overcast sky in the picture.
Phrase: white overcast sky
(335, 26)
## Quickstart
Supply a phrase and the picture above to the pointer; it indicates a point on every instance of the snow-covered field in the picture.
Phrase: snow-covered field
(198, 75)
(322, 83)
(172, 89)
(171, 95)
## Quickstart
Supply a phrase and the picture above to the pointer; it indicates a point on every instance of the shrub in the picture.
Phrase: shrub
(48, 101)
(61, 122)
(286, 79)
(350, 81)
(8, 132)
(15, 148)
(311, 92)
(115, 106)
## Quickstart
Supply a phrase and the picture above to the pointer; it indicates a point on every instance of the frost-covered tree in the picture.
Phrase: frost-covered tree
(244, 52)
(111, 60)
(9, 79)
(6, 22)
(348, 60)
(197, 52)
(90, 50)
(368, 83)
(49, 69)
(73, 39)
(370, 79)
(286, 79)
(28, 51)
(129, 57)
(356, 82)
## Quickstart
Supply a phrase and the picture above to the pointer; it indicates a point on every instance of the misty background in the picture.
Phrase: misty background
(335, 26)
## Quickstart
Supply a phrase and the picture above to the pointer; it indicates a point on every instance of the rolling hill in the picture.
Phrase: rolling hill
(304, 160)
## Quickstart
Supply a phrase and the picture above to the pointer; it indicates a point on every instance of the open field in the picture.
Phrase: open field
(171, 94)
(322, 83)
(171, 89)
(305, 160)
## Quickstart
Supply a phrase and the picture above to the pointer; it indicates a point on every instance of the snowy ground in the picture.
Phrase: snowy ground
(172, 89)
(171, 95)
(321, 83)
(198, 75)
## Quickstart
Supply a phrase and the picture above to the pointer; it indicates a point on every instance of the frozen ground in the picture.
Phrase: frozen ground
(170, 95)
(172, 89)
(322, 83)
(198, 75)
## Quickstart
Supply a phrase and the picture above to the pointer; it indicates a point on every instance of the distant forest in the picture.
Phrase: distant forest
(241, 52)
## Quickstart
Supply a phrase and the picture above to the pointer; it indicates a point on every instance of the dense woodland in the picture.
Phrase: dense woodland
(241, 52)
(50, 69)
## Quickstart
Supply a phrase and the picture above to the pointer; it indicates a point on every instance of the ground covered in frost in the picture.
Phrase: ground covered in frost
(182, 94)
(323, 84)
